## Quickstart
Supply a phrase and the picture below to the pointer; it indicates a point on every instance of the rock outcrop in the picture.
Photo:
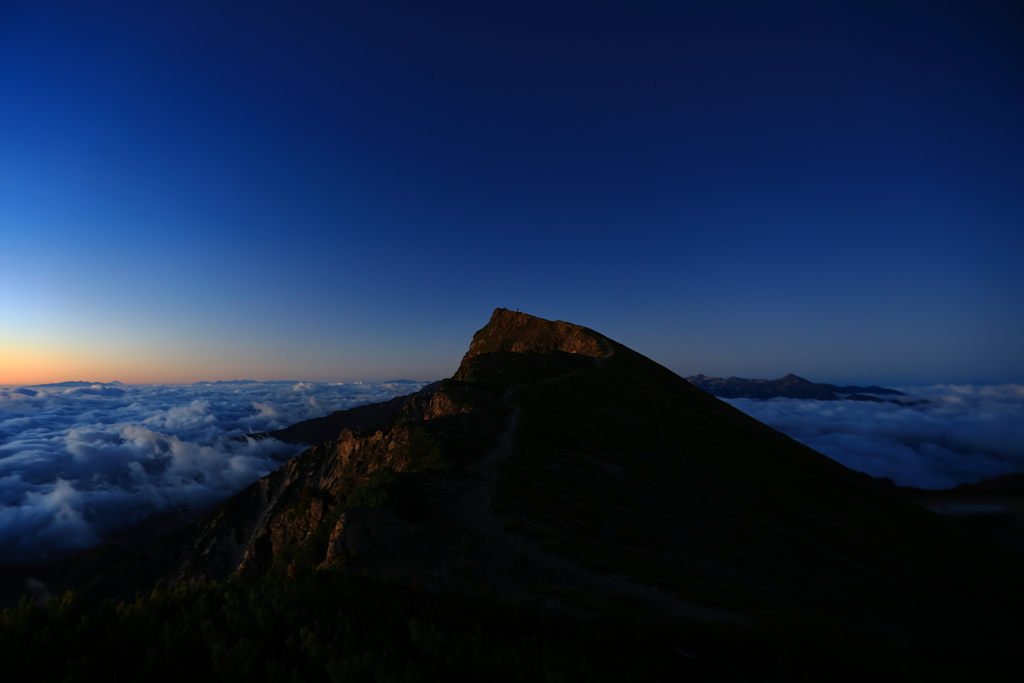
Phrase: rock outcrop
(521, 333)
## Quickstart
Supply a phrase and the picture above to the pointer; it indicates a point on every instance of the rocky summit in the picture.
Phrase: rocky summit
(558, 470)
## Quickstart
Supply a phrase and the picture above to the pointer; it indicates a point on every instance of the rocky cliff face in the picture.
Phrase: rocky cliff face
(555, 456)
(521, 333)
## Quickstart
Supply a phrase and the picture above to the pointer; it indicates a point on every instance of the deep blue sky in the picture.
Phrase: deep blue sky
(344, 191)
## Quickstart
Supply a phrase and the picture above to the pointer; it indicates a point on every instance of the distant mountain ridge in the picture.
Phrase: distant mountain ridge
(789, 386)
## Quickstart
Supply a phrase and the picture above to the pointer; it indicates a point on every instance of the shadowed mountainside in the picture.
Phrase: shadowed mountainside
(561, 468)
(990, 510)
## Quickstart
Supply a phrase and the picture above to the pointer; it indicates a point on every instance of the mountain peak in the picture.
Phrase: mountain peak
(551, 463)
(521, 333)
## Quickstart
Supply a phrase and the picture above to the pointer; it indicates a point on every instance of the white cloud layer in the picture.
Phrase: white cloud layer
(84, 465)
(944, 436)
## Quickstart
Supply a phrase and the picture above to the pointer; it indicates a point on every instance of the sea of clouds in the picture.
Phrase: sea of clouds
(943, 435)
(84, 465)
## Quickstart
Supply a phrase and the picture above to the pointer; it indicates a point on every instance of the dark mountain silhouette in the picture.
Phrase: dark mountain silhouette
(789, 386)
(562, 472)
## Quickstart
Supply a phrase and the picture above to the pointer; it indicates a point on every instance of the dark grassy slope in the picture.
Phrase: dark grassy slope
(330, 626)
(627, 467)
(990, 510)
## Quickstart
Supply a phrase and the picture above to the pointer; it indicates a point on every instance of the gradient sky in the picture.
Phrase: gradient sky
(344, 191)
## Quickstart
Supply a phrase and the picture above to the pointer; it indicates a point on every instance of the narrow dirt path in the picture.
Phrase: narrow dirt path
(486, 468)
(516, 561)
(462, 544)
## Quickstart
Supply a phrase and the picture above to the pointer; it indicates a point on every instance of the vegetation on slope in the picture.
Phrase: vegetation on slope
(329, 626)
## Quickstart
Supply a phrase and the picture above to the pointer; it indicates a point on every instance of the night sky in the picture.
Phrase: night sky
(344, 191)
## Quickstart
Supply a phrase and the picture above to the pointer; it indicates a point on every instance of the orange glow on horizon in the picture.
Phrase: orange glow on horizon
(23, 365)
(26, 365)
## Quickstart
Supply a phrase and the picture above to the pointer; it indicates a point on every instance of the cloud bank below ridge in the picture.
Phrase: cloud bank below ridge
(85, 465)
(945, 435)
(90, 464)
